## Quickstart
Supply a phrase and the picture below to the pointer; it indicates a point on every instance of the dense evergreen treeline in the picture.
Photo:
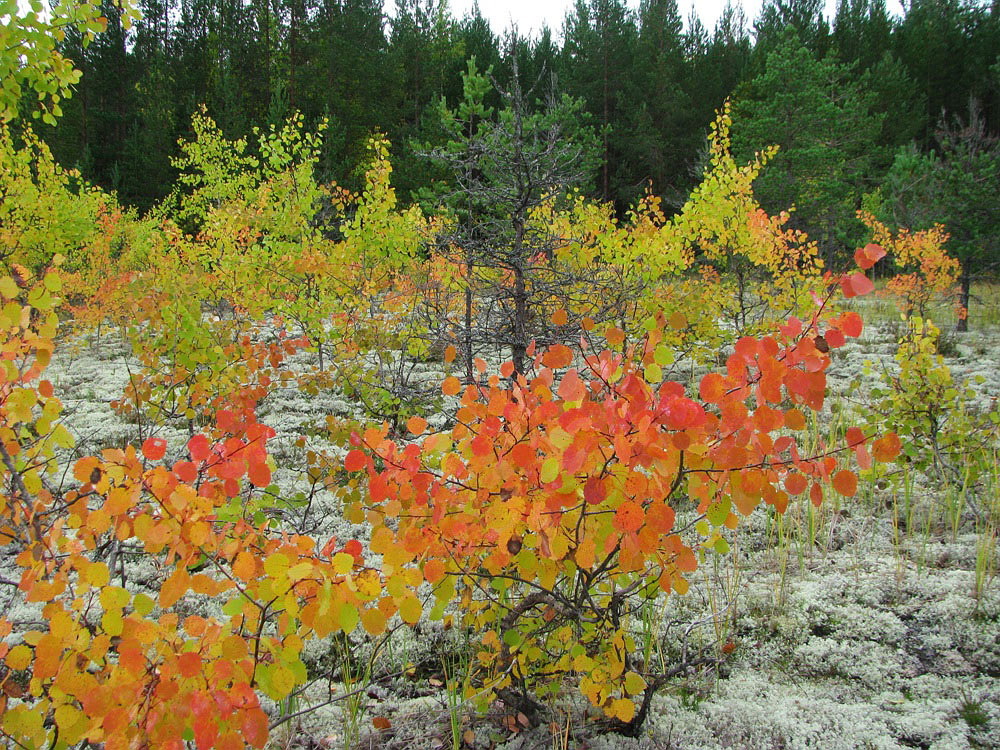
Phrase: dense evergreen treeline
(842, 98)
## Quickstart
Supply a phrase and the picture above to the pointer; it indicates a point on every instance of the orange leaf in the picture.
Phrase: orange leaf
(416, 425)
(380, 722)
(450, 352)
(559, 355)
(629, 516)
(244, 566)
(795, 419)
(189, 664)
(559, 317)
(886, 448)
(845, 482)
(451, 386)
(615, 336)
(84, 468)
(795, 484)
(373, 621)
(174, 587)
(433, 570)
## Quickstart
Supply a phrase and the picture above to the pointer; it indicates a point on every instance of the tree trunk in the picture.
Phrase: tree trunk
(965, 291)
(468, 331)
(519, 344)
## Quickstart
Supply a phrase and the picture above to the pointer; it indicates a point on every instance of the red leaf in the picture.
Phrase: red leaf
(199, 448)
(835, 338)
(481, 445)
(851, 324)
(816, 494)
(593, 491)
(354, 549)
(355, 460)
(523, 455)
(572, 388)
(154, 448)
(869, 255)
(862, 456)
(254, 726)
(713, 388)
(792, 329)
(186, 471)
(189, 664)
(259, 474)
(860, 284)
(795, 484)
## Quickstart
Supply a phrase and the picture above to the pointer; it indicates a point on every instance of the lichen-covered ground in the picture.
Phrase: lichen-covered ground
(848, 628)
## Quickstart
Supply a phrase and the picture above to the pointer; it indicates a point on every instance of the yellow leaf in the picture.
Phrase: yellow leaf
(111, 622)
(19, 657)
(114, 597)
(343, 562)
(373, 621)
(300, 571)
(622, 709)
(276, 565)
(71, 722)
(281, 681)
(410, 610)
(97, 574)
(634, 684)
(142, 604)
(348, 617)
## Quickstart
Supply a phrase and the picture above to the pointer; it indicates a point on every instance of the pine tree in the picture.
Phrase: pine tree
(818, 115)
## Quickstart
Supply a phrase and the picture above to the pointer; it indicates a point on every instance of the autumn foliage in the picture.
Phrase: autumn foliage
(553, 504)
(550, 509)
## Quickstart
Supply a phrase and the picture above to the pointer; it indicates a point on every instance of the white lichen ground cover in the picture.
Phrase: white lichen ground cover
(855, 634)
